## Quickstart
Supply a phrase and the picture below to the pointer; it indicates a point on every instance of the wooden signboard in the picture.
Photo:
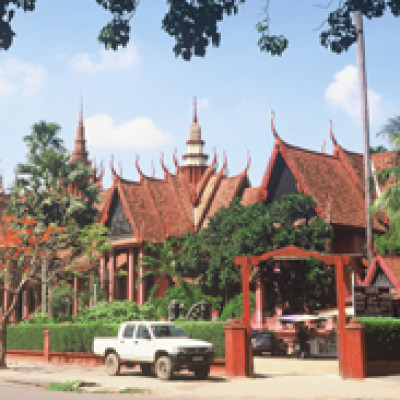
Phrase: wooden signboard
(372, 301)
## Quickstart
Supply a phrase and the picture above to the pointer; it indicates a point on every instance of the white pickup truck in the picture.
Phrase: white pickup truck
(158, 347)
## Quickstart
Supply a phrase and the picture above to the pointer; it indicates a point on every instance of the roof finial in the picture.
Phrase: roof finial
(332, 136)
(274, 132)
(195, 110)
(81, 111)
(138, 169)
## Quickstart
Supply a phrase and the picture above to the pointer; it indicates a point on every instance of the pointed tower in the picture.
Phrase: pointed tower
(195, 161)
(80, 153)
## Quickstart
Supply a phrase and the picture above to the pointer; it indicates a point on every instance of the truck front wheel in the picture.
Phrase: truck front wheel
(164, 368)
(112, 364)
(201, 372)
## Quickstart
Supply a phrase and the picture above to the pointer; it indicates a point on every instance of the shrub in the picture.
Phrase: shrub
(79, 337)
(63, 337)
(25, 337)
(205, 330)
(190, 294)
(234, 307)
(382, 337)
(110, 312)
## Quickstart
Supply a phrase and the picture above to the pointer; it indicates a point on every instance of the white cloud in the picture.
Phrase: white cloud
(106, 60)
(344, 93)
(138, 133)
(18, 77)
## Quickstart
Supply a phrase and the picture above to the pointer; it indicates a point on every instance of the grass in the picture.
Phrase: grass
(65, 386)
(74, 386)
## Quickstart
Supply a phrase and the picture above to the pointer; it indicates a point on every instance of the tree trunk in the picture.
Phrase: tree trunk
(3, 343)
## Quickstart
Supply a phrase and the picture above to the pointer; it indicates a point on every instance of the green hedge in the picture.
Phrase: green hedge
(79, 337)
(63, 337)
(209, 331)
(25, 337)
(382, 337)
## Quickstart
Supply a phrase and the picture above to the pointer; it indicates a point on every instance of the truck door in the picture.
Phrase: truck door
(143, 344)
(126, 343)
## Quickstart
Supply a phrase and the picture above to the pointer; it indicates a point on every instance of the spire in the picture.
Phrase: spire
(80, 153)
(195, 160)
(195, 110)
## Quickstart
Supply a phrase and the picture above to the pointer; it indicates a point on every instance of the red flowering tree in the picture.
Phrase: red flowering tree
(24, 248)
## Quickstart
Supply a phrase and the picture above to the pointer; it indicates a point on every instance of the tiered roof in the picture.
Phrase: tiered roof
(335, 182)
(169, 207)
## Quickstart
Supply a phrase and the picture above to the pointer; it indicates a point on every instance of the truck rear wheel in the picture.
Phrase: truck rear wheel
(164, 368)
(201, 372)
(112, 364)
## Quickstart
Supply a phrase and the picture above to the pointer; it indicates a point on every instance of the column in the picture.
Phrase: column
(111, 276)
(102, 272)
(142, 285)
(131, 275)
(260, 296)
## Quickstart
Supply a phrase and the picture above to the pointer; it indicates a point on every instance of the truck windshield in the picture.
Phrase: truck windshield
(167, 331)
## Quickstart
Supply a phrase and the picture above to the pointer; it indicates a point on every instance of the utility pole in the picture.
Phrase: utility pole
(365, 124)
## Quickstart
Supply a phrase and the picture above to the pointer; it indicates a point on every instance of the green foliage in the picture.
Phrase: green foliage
(41, 188)
(61, 300)
(389, 200)
(382, 336)
(187, 293)
(209, 255)
(194, 23)
(79, 337)
(154, 309)
(342, 34)
(25, 337)
(65, 386)
(234, 307)
(212, 332)
(160, 260)
(109, 312)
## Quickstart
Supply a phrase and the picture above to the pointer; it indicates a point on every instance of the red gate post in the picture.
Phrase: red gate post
(46, 344)
(238, 353)
(341, 333)
(356, 364)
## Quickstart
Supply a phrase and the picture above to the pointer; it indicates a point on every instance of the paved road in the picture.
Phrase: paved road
(274, 379)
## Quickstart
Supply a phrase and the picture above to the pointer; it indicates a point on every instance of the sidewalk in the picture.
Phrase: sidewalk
(275, 378)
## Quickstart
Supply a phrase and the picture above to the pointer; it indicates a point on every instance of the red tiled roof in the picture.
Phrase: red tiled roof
(390, 265)
(158, 208)
(250, 196)
(226, 192)
(334, 181)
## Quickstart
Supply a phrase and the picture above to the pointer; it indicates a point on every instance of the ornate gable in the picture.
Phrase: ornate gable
(281, 181)
(117, 223)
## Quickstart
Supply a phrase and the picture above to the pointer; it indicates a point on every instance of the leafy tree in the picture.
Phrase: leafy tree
(160, 261)
(377, 149)
(252, 230)
(51, 200)
(389, 201)
(194, 23)
(23, 247)
(49, 188)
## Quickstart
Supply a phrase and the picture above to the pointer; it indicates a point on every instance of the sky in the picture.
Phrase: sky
(138, 100)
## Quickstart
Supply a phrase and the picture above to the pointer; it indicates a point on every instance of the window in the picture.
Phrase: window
(128, 331)
(142, 332)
